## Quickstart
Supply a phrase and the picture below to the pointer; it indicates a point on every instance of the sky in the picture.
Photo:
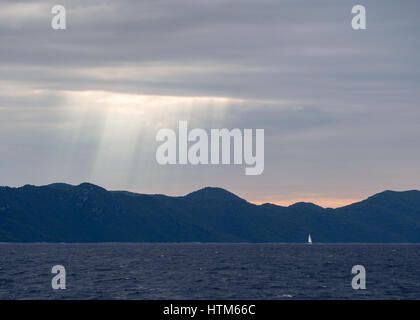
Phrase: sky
(339, 107)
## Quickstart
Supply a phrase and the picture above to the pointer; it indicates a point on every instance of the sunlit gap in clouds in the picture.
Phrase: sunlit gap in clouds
(111, 136)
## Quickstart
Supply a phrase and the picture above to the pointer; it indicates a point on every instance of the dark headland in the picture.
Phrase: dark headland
(88, 213)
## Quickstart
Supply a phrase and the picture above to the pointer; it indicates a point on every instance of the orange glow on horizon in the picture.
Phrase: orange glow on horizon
(323, 202)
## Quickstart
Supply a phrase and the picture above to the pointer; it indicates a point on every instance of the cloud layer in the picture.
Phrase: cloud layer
(340, 108)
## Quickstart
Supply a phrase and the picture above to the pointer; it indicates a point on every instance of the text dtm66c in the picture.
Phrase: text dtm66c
(224, 309)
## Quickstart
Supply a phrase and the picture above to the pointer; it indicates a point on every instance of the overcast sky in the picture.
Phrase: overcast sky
(340, 107)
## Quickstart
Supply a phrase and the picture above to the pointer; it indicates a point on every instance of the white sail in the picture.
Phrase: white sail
(309, 239)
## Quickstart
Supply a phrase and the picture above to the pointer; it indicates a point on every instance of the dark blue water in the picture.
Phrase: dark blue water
(209, 271)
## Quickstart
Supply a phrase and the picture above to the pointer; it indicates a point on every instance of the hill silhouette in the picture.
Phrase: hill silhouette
(88, 213)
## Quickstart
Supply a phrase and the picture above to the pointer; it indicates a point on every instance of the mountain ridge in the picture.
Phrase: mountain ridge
(89, 213)
(66, 186)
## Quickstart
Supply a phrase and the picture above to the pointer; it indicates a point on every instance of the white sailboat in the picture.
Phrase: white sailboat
(309, 239)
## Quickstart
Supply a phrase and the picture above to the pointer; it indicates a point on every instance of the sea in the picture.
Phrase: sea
(208, 271)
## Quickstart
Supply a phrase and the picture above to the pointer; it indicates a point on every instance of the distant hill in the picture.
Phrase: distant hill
(87, 213)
